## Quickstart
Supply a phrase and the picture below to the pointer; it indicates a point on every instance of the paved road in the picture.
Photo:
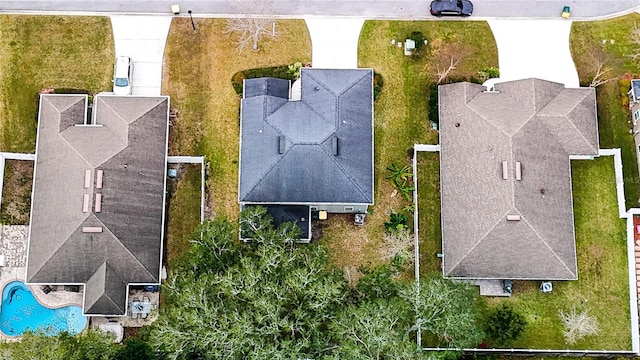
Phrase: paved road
(398, 9)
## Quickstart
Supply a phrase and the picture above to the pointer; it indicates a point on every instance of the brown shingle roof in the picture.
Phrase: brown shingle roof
(537, 124)
(128, 145)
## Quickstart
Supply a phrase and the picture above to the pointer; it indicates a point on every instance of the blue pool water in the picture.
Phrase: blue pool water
(20, 311)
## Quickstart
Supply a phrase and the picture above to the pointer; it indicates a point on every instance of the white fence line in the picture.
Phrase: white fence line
(622, 213)
(416, 244)
(11, 156)
(193, 160)
(617, 164)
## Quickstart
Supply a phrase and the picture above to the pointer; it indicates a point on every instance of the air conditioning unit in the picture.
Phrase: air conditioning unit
(546, 287)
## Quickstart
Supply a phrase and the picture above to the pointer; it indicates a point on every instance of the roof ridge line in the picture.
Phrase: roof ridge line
(104, 293)
(120, 243)
(73, 148)
(60, 246)
(523, 218)
(346, 174)
(479, 240)
(322, 84)
(81, 97)
(487, 120)
(350, 86)
(270, 169)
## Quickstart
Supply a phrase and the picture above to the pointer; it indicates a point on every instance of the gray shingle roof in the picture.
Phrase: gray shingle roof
(266, 86)
(334, 104)
(538, 124)
(130, 149)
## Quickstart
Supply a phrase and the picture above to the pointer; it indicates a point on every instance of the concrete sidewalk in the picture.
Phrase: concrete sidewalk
(334, 42)
(535, 48)
(143, 39)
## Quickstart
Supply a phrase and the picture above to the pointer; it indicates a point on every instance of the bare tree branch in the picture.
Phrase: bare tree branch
(635, 38)
(578, 325)
(601, 64)
(448, 58)
(255, 22)
(398, 243)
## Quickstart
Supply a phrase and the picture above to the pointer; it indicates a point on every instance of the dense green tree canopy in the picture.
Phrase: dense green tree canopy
(275, 299)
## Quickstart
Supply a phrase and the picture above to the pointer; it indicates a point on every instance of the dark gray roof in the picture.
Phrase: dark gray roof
(266, 86)
(130, 149)
(538, 124)
(635, 90)
(298, 214)
(335, 104)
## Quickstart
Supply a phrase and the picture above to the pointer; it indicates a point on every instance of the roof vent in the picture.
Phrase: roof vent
(92, 229)
(334, 146)
(98, 204)
(282, 143)
(513, 217)
(87, 179)
(85, 203)
(99, 179)
(518, 171)
(505, 171)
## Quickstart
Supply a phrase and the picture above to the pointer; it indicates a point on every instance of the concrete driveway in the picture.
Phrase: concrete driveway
(535, 48)
(143, 39)
(334, 42)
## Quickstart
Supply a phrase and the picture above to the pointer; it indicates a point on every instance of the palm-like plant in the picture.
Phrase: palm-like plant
(401, 179)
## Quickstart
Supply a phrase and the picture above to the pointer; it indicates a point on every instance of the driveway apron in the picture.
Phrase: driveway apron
(334, 42)
(535, 48)
(143, 39)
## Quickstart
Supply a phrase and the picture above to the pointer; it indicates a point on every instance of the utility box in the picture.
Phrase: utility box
(175, 9)
(409, 47)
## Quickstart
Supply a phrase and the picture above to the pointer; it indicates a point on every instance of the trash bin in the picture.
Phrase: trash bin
(175, 9)
(566, 12)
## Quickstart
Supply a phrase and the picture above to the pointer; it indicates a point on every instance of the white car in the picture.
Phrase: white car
(122, 74)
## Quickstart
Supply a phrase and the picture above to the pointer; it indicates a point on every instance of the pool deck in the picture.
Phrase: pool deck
(13, 245)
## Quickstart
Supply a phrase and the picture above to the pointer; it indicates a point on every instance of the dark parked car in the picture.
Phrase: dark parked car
(462, 8)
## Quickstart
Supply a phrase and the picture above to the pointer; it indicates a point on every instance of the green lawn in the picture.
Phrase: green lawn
(39, 52)
(197, 75)
(401, 114)
(429, 226)
(184, 211)
(613, 117)
(602, 287)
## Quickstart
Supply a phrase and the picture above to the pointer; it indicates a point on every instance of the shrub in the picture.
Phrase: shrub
(278, 72)
(418, 38)
(505, 325)
(489, 73)
(433, 102)
(377, 85)
(396, 222)
(419, 51)
(624, 86)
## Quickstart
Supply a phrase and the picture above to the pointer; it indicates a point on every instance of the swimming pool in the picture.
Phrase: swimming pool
(20, 311)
